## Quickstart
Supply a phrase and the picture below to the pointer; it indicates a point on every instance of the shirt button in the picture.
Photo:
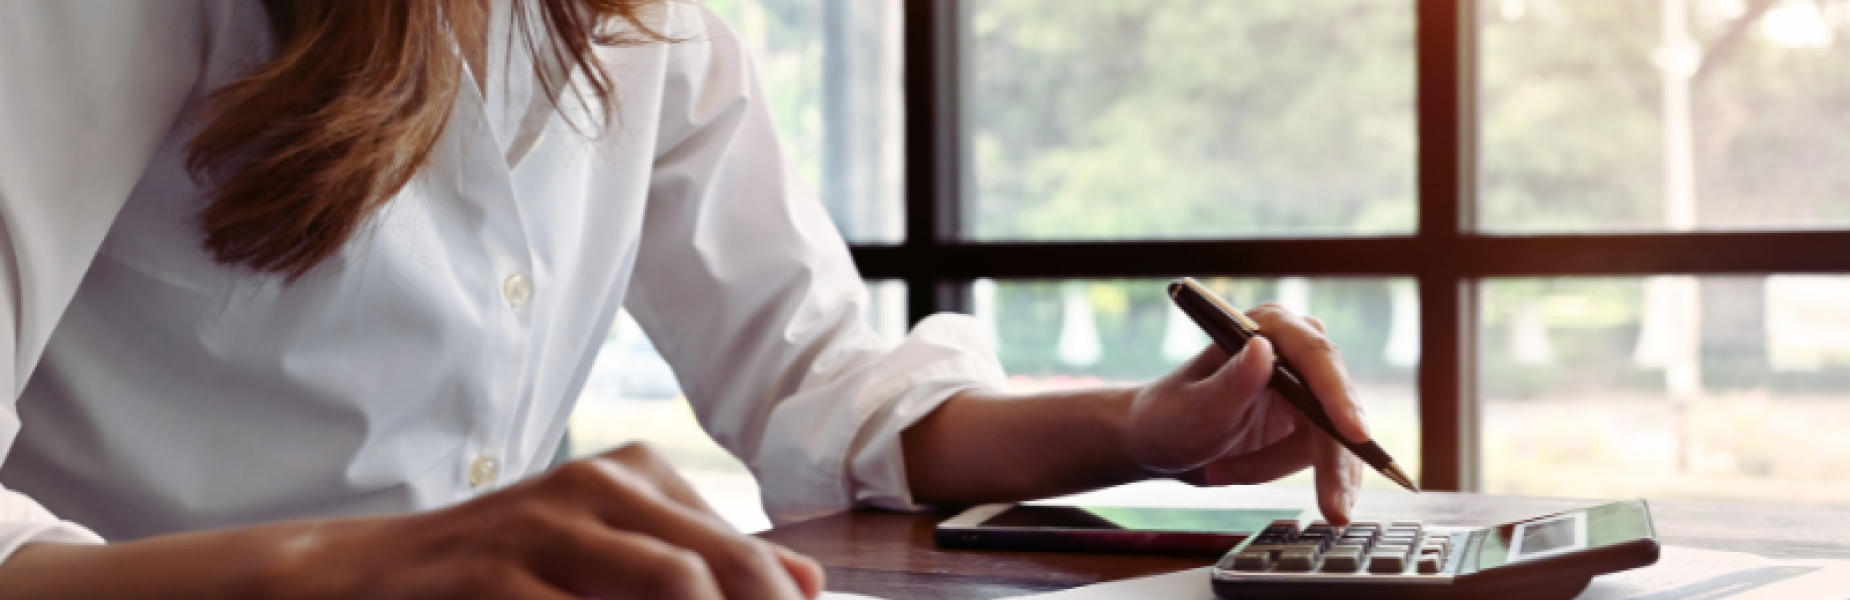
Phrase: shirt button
(516, 290)
(483, 471)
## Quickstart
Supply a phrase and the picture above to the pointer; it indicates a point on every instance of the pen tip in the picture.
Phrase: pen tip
(1398, 476)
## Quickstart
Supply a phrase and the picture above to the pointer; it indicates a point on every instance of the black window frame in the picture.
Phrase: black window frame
(1445, 256)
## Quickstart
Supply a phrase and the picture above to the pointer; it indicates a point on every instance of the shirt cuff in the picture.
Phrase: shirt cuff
(23, 521)
(836, 443)
(877, 462)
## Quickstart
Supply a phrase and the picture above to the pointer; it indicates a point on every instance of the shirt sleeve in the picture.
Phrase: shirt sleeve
(91, 88)
(750, 293)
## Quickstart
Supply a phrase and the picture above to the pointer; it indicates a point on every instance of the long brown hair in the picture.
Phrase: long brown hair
(302, 150)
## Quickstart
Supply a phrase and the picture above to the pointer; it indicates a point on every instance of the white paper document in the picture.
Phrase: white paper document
(1180, 585)
(1697, 574)
(1680, 574)
(844, 596)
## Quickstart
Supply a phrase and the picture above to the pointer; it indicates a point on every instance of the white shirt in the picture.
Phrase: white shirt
(161, 392)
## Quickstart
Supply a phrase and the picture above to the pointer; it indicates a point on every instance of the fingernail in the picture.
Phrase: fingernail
(1257, 351)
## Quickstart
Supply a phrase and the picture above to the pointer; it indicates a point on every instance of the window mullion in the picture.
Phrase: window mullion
(933, 180)
(1446, 58)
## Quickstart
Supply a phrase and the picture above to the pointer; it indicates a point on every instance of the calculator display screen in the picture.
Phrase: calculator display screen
(1564, 533)
(1548, 536)
(1138, 519)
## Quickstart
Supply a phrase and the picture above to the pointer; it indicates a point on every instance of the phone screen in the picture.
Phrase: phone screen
(1138, 519)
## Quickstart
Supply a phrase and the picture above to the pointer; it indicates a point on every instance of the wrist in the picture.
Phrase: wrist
(298, 561)
(1119, 413)
(227, 563)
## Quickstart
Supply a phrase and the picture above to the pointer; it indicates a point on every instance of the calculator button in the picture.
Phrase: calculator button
(1252, 561)
(1342, 559)
(1411, 524)
(1365, 525)
(1271, 551)
(1429, 563)
(1393, 549)
(1283, 525)
(1358, 542)
(1297, 560)
(1387, 562)
(1342, 562)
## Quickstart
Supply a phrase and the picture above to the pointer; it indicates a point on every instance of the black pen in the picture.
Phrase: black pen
(1231, 329)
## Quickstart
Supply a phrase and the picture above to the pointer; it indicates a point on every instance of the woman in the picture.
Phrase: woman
(299, 293)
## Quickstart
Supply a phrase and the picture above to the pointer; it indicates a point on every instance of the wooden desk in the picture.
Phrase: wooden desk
(892, 555)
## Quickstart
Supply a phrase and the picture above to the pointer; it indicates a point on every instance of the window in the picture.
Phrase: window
(1616, 224)
(1667, 386)
(1186, 119)
(1655, 115)
(1571, 247)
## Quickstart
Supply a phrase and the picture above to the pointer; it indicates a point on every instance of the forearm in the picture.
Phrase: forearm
(980, 447)
(229, 563)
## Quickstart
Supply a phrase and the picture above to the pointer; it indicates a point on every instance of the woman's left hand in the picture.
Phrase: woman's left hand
(1214, 421)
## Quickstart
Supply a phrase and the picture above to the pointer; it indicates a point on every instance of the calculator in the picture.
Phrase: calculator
(1549, 557)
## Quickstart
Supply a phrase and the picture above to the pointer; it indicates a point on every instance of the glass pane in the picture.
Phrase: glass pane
(1668, 387)
(832, 71)
(632, 396)
(1664, 115)
(1068, 334)
(1104, 119)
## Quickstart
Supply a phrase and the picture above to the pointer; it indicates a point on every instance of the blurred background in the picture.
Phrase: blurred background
(1127, 120)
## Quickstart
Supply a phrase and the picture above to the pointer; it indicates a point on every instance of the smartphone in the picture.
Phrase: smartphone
(1106, 529)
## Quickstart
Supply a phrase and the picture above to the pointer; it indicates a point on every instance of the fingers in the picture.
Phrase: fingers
(1205, 363)
(750, 568)
(1236, 381)
(1302, 344)
(1338, 475)
(526, 587)
(1287, 456)
(622, 565)
(1200, 411)
(642, 459)
(806, 571)
(803, 571)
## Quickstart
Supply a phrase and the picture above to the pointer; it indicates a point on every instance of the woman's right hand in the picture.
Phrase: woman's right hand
(621, 525)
